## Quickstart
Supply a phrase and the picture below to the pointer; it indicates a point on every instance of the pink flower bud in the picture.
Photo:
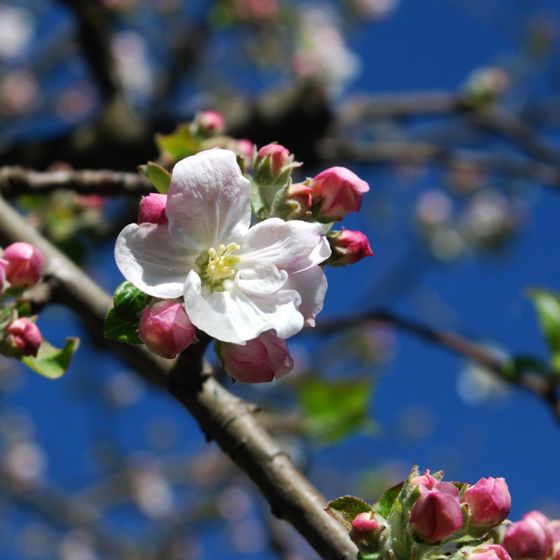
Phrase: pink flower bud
(336, 192)
(529, 538)
(489, 502)
(364, 523)
(348, 247)
(152, 209)
(245, 148)
(24, 338)
(280, 157)
(424, 481)
(437, 514)
(210, 123)
(25, 264)
(3, 265)
(258, 361)
(166, 329)
(489, 552)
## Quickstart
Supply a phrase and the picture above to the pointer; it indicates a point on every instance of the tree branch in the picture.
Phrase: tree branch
(221, 415)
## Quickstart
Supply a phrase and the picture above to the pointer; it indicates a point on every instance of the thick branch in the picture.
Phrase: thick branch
(222, 416)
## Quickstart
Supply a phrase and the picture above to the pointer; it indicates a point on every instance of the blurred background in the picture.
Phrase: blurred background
(450, 109)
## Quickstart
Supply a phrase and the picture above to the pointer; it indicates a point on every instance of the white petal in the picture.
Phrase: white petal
(233, 316)
(293, 246)
(311, 284)
(151, 259)
(264, 279)
(209, 199)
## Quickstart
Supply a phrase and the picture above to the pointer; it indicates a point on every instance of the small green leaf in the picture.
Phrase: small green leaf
(518, 365)
(385, 504)
(52, 362)
(548, 311)
(157, 175)
(129, 301)
(333, 409)
(346, 508)
(177, 145)
(120, 329)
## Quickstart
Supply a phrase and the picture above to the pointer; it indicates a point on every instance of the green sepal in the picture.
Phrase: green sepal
(129, 301)
(157, 175)
(385, 504)
(177, 145)
(346, 508)
(52, 362)
(120, 329)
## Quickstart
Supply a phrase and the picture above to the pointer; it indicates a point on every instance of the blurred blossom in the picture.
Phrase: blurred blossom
(76, 102)
(234, 503)
(249, 536)
(465, 178)
(19, 92)
(25, 463)
(16, 30)
(131, 55)
(446, 244)
(76, 545)
(208, 468)
(123, 389)
(375, 9)
(151, 492)
(475, 384)
(416, 422)
(260, 11)
(433, 208)
(321, 51)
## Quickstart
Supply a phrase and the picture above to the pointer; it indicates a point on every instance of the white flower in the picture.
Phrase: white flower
(237, 281)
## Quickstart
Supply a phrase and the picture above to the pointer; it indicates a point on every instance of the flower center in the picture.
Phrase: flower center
(215, 266)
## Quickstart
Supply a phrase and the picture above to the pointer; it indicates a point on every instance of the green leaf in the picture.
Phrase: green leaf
(177, 145)
(120, 329)
(346, 508)
(333, 409)
(385, 504)
(129, 301)
(518, 365)
(52, 362)
(547, 305)
(157, 175)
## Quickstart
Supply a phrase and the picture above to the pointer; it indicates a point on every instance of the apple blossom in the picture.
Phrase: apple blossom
(23, 338)
(280, 157)
(258, 361)
(529, 538)
(489, 502)
(210, 123)
(25, 264)
(152, 209)
(348, 247)
(236, 281)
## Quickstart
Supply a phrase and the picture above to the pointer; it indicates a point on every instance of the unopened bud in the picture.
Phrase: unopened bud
(336, 192)
(489, 502)
(365, 523)
(529, 538)
(437, 514)
(23, 338)
(26, 264)
(277, 157)
(257, 361)
(152, 209)
(298, 201)
(210, 123)
(348, 247)
(424, 481)
(489, 552)
(166, 329)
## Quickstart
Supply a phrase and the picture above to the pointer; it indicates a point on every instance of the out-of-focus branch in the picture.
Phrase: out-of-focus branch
(15, 181)
(61, 508)
(541, 387)
(223, 417)
(424, 153)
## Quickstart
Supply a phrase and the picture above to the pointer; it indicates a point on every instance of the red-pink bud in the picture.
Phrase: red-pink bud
(529, 538)
(152, 209)
(348, 247)
(280, 157)
(26, 264)
(437, 514)
(245, 148)
(24, 338)
(489, 552)
(489, 502)
(424, 481)
(210, 122)
(257, 361)
(364, 523)
(336, 192)
(166, 329)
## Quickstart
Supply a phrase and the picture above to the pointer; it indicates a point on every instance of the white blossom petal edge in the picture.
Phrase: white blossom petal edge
(237, 281)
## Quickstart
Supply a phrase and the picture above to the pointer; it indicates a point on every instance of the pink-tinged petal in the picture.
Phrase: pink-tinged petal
(151, 259)
(293, 246)
(234, 316)
(311, 284)
(209, 199)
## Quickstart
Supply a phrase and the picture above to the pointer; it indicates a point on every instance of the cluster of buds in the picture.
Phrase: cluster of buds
(421, 515)
(535, 536)
(21, 267)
